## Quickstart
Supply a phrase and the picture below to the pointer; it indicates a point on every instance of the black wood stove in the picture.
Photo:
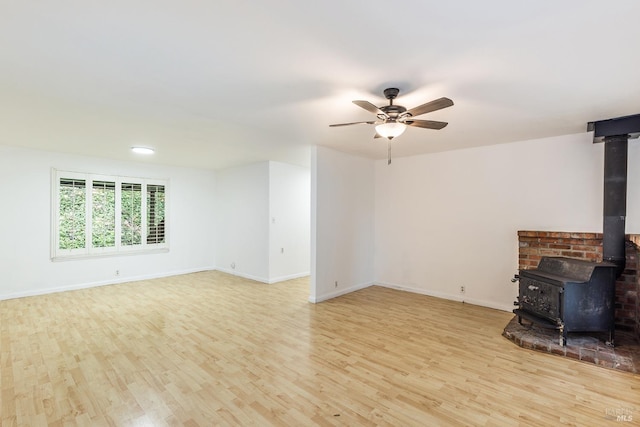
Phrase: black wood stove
(569, 295)
(579, 296)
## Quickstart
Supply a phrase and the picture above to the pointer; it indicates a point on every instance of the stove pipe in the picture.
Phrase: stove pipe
(615, 200)
(615, 134)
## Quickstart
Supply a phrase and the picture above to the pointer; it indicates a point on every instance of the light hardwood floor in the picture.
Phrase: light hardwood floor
(212, 349)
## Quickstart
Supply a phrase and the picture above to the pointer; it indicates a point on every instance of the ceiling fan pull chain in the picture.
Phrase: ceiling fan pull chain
(389, 154)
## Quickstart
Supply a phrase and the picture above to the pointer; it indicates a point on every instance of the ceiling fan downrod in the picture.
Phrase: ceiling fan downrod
(391, 93)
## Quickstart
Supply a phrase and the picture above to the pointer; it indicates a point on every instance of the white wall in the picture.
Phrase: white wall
(289, 231)
(342, 223)
(264, 221)
(243, 221)
(25, 219)
(423, 214)
(451, 219)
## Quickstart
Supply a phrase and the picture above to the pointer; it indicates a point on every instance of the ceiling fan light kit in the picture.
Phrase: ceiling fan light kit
(392, 120)
(390, 129)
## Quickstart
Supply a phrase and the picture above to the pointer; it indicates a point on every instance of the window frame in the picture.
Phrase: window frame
(118, 249)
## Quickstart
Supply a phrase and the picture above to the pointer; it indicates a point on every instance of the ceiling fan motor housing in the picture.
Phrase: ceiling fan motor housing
(391, 93)
(393, 111)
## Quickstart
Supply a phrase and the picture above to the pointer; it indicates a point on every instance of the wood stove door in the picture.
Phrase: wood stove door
(540, 298)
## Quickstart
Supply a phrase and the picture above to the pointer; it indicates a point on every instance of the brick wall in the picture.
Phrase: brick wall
(533, 245)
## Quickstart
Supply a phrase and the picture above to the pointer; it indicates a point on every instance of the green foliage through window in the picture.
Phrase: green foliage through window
(72, 214)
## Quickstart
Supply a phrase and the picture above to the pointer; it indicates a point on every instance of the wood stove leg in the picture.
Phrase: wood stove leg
(611, 338)
(563, 336)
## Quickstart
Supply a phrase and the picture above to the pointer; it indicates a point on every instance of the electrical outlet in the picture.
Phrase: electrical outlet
(462, 289)
(336, 284)
(233, 265)
(117, 272)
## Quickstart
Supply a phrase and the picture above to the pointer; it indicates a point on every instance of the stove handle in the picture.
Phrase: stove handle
(533, 288)
(516, 277)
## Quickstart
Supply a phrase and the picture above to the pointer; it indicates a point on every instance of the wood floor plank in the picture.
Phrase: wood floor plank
(213, 349)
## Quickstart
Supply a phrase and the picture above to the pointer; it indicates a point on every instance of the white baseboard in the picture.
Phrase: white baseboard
(289, 277)
(341, 292)
(263, 279)
(451, 297)
(87, 285)
(243, 275)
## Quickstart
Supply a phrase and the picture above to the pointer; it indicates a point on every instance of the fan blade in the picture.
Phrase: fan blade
(370, 107)
(438, 104)
(353, 123)
(428, 124)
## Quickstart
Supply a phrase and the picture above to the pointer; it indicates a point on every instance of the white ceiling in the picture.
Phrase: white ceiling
(214, 84)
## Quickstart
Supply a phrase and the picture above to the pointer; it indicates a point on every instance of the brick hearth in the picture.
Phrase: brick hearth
(589, 348)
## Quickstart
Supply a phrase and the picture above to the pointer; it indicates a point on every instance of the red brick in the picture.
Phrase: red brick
(541, 345)
(608, 358)
(572, 352)
(625, 314)
(558, 246)
(572, 254)
(574, 241)
(588, 355)
(526, 344)
(581, 235)
(530, 233)
(555, 348)
(586, 248)
(528, 251)
(539, 240)
(550, 252)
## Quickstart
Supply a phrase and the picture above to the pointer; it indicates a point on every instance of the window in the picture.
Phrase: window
(101, 215)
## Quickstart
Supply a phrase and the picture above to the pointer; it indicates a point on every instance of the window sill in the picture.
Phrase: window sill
(60, 258)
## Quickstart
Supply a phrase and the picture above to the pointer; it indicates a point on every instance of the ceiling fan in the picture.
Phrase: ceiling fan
(392, 120)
